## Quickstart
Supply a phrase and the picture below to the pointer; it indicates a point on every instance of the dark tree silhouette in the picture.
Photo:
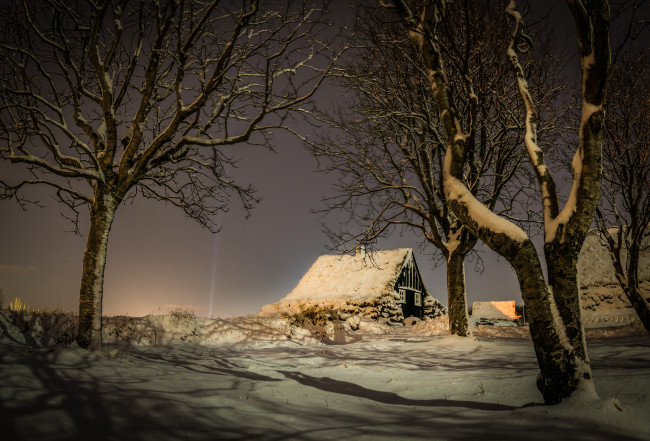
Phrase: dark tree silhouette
(108, 100)
(554, 309)
(624, 211)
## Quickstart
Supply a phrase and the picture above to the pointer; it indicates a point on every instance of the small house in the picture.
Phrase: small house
(383, 285)
(503, 312)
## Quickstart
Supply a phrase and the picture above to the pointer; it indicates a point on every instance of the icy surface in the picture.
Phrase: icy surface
(254, 379)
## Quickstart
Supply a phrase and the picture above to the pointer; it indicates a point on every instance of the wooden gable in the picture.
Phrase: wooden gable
(410, 289)
(410, 277)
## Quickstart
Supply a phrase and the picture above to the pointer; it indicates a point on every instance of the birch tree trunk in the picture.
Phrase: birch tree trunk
(561, 261)
(457, 299)
(564, 367)
(102, 212)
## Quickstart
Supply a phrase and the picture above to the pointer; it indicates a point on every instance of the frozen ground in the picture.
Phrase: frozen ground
(246, 380)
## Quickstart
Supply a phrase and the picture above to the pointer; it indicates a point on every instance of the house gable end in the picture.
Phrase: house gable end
(412, 294)
(410, 277)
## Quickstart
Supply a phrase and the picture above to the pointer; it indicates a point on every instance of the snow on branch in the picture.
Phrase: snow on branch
(522, 43)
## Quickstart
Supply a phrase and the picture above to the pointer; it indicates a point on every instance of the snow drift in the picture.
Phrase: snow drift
(164, 378)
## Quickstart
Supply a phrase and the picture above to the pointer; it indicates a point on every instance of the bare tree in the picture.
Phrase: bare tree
(107, 100)
(554, 309)
(389, 149)
(624, 210)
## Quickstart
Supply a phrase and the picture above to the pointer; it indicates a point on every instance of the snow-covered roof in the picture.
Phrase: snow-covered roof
(357, 276)
(504, 310)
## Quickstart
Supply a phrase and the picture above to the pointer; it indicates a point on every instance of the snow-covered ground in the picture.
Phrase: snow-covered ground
(262, 379)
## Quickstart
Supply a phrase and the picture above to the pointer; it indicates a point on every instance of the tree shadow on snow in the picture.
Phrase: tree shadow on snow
(49, 394)
(198, 393)
(344, 420)
(343, 387)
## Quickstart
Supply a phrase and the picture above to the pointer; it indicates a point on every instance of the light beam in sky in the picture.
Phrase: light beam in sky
(214, 273)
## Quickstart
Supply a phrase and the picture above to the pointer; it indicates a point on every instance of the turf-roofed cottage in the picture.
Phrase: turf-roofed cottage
(382, 285)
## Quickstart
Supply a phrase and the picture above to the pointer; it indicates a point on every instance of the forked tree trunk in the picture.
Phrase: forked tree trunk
(456, 295)
(564, 367)
(102, 213)
(554, 317)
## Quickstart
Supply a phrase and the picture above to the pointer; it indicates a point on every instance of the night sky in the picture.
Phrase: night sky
(159, 259)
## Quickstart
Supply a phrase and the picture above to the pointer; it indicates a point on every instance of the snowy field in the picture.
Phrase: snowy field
(250, 379)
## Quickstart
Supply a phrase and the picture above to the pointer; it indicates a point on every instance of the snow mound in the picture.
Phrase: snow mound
(373, 327)
(243, 333)
(42, 330)
(436, 326)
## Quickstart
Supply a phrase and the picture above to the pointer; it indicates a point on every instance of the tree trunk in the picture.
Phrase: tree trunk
(640, 305)
(456, 296)
(92, 279)
(563, 366)
(562, 369)
(631, 287)
(561, 262)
